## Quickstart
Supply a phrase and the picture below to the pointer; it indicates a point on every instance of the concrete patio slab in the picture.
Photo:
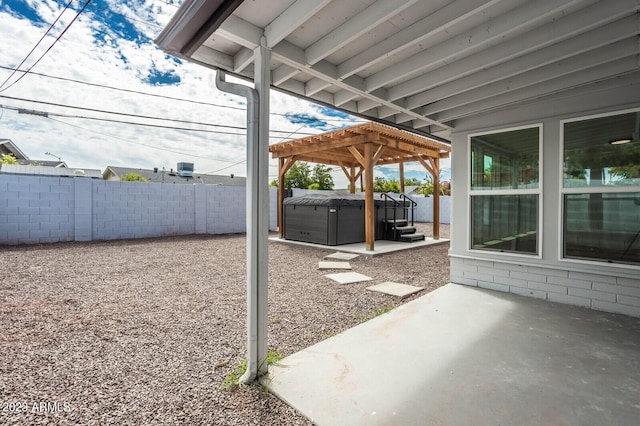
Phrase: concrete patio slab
(341, 256)
(395, 289)
(380, 247)
(467, 356)
(322, 265)
(348, 277)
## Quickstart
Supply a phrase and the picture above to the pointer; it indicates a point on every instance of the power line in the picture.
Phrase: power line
(52, 44)
(139, 143)
(144, 116)
(138, 92)
(140, 116)
(36, 45)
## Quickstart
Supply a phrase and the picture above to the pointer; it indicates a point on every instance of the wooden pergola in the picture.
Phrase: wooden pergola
(357, 150)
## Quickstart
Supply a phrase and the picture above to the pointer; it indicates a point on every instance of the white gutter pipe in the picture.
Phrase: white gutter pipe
(253, 121)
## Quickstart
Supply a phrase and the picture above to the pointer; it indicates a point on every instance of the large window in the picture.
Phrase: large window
(505, 191)
(601, 189)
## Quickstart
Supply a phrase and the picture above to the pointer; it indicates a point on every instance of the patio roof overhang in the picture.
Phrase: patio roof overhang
(425, 66)
(357, 150)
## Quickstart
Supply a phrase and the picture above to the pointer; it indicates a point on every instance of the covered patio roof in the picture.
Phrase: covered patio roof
(357, 150)
(426, 66)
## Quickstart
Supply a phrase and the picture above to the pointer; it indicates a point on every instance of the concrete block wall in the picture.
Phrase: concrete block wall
(142, 210)
(424, 209)
(37, 210)
(597, 291)
(226, 209)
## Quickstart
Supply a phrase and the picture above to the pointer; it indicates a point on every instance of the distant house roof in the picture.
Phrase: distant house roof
(166, 176)
(46, 163)
(8, 147)
(21, 169)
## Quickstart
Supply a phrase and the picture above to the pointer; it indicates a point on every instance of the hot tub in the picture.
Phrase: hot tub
(332, 218)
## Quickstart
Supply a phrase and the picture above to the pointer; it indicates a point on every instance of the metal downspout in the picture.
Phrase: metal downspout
(253, 121)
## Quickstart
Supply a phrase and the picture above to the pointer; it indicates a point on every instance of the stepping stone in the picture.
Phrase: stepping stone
(395, 289)
(341, 256)
(334, 265)
(348, 277)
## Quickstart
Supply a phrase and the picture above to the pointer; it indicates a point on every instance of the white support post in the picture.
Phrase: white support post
(257, 208)
(259, 178)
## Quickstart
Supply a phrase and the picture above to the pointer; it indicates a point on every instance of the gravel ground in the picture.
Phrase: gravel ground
(144, 331)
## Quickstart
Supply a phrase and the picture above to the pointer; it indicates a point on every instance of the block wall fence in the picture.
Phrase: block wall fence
(35, 209)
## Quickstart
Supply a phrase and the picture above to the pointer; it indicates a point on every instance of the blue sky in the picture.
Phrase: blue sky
(111, 44)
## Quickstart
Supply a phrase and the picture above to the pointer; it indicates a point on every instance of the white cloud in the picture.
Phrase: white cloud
(92, 51)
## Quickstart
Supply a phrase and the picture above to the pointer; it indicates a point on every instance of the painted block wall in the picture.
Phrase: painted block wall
(36, 209)
(142, 210)
(49, 209)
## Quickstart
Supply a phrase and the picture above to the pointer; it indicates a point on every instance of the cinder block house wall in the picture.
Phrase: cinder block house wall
(595, 284)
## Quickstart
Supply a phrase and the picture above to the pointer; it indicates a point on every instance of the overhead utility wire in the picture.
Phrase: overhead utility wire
(138, 143)
(50, 47)
(125, 114)
(36, 45)
(138, 92)
(110, 120)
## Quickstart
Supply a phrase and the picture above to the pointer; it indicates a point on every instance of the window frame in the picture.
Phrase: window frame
(529, 191)
(562, 191)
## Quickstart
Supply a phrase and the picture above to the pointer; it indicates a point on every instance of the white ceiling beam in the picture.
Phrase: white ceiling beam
(293, 86)
(240, 31)
(436, 22)
(510, 24)
(242, 59)
(572, 65)
(358, 25)
(291, 19)
(315, 85)
(209, 56)
(403, 118)
(385, 111)
(602, 36)
(324, 97)
(367, 104)
(570, 26)
(344, 96)
(613, 93)
(282, 74)
(349, 106)
(566, 82)
(293, 56)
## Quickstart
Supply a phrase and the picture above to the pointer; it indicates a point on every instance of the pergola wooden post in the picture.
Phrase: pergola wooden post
(401, 172)
(433, 167)
(361, 148)
(436, 198)
(283, 167)
(370, 225)
(352, 176)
